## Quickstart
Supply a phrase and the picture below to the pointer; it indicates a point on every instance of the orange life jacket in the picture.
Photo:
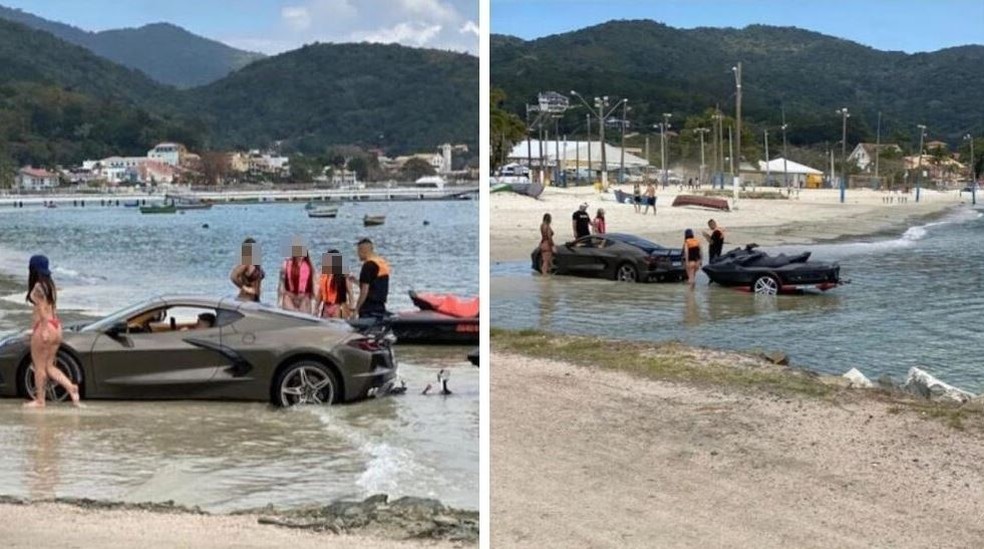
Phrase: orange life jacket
(691, 243)
(328, 292)
(384, 268)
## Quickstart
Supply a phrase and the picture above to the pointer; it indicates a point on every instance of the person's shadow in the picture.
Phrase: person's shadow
(42, 468)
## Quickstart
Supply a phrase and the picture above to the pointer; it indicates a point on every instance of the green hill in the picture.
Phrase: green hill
(664, 69)
(167, 53)
(393, 97)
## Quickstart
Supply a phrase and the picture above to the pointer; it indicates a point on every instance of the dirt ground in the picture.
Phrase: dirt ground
(585, 457)
(47, 525)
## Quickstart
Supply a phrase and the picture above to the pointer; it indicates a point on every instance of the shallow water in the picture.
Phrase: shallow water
(916, 299)
(226, 456)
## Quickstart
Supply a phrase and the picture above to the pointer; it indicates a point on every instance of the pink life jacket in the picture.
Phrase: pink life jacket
(300, 282)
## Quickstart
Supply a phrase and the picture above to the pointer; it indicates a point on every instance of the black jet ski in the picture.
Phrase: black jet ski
(442, 319)
(762, 273)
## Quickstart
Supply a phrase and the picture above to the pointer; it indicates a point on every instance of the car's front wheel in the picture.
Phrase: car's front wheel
(55, 392)
(306, 382)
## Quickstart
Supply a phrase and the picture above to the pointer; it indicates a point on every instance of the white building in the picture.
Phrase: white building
(344, 179)
(35, 179)
(863, 155)
(168, 153)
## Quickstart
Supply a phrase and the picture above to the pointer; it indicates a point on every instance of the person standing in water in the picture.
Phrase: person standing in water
(581, 222)
(373, 282)
(691, 255)
(46, 337)
(248, 275)
(334, 295)
(546, 245)
(296, 290)
(715, 240)
(599, 222)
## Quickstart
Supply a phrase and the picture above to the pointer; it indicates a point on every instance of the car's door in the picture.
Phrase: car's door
(594, 256)
(157, 364)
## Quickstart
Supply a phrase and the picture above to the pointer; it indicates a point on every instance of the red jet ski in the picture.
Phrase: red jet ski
(442, 319)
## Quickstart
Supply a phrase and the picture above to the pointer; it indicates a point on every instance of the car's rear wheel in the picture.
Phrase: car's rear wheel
(626, 272)
(766, 285)
(306, 382)
(54, 391)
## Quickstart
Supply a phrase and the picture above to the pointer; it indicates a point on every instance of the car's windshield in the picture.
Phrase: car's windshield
(104, 323)
(636, 241)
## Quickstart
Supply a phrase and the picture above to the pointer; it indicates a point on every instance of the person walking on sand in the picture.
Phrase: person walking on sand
(248, 275)
(650, 198)
(546, 245)
(373, 282)
(334, 296)
(581, 222)
(46, 336)
(636, 196)
(599, 222)
(296, 289)
(715, 240)
(691, 254)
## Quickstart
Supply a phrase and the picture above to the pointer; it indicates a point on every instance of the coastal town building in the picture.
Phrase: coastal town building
(938, 169)
(168, 153)
(863, 155)
(35, 179)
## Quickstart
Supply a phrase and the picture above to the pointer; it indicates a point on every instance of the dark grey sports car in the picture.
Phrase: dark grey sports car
(200, 348)
(622, 257)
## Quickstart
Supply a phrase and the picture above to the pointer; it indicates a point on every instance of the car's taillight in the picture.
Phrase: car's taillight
(365, 344)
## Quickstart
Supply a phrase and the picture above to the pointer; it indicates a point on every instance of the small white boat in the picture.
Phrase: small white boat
(323, 211)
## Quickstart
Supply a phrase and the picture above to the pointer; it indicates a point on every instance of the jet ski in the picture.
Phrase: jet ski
(762, 273)
(441, 319)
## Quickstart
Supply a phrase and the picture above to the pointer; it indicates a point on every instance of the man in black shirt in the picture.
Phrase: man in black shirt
(716, 240)
(582, 221)
(373, 282)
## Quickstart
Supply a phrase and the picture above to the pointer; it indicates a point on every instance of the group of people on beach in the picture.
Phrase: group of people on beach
(330, 295)
(583, 225)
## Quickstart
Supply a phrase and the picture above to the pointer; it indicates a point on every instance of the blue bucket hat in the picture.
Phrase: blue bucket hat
(39, 264)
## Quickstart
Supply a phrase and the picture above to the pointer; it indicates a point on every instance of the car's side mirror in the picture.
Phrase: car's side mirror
(116, 329)
(568, 245)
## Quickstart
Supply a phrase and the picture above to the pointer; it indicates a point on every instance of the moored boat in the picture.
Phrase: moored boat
(324, 212)
(373, 220)
(159, 209)
(702, 201)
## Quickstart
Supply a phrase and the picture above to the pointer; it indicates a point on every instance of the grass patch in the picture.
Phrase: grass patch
(674, 361)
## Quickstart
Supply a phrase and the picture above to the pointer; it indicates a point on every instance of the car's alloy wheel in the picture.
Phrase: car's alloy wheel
(766, 285)
(626, 273)
(53, 391)
(307, 383)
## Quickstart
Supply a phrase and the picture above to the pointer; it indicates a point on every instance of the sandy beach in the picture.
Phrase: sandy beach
(814, 215)
(586, 456)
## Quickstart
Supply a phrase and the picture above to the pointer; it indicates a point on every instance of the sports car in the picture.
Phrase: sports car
(176, 347)
(622, 257)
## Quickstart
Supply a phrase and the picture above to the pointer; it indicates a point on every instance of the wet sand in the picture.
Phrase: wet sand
(592, 457)
(60, 525)
(815, 215)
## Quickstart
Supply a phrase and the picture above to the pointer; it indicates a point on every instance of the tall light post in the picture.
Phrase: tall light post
(701, 132)
(529, 145)
(621, 163)
(665, 125)
(843, 179)
(768, 169)
(922, 136)
(878, 148)
(973, 171)
(785, 169)
(600, 110)
(590, 172)
(718, 144)
(736, 182)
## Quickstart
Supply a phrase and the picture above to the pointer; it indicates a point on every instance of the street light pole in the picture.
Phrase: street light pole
(878, 148)
(602, 103)
(590, 172)
(701, 131)
(529, 145)
(785, 169)
(973, 174)
(731, 154)
(922, 135)
(768, 169)
(664, 127)
(736, 182)
(843, 181)
(621, 167)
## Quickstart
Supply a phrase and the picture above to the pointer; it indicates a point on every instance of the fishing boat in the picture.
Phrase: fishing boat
(373, 220)
(701, 201)
(159, 209)
(324, 211)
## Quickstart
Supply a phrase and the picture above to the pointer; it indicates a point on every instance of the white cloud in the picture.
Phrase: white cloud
(442, 24)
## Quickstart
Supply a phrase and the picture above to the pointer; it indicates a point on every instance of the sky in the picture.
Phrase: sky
(906, 25)
(275, 26)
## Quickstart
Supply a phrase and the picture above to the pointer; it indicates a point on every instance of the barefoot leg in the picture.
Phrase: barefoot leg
(58, 376)
(38, 360)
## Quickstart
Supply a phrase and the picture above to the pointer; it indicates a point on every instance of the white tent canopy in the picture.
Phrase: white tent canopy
(791, 167)
(573, 154)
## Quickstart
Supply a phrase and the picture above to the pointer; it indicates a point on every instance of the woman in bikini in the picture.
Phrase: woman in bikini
(334, 297)
(248, 275)
(546, 245)
(296, 291)
(46, 336)
(691, 256)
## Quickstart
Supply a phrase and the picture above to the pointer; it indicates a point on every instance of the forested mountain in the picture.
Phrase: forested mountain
(60, 103)
(167, 53)
(664, 69)
(394, 97)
